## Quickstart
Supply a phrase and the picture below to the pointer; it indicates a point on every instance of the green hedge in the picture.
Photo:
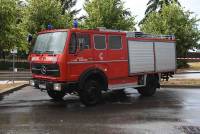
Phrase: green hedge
(7, 65)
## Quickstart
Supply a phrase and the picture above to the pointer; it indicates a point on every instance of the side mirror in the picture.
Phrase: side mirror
(30, 38)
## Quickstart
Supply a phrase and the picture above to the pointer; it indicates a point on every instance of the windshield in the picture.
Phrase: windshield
(52, 43)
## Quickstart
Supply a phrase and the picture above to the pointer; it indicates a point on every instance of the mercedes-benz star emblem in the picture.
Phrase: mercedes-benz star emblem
(43, 70)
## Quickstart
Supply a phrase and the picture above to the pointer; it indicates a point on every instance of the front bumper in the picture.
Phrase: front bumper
(57, 86)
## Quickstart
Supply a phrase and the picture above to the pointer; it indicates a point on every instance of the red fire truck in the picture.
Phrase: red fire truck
(91, 61)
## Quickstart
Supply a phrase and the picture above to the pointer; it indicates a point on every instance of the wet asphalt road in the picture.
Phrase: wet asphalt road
(170, 111)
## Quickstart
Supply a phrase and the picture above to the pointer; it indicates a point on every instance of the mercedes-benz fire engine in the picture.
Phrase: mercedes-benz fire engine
(91, 61)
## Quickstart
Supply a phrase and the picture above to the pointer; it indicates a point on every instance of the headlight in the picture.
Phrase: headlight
(32, 82)
(57, 87)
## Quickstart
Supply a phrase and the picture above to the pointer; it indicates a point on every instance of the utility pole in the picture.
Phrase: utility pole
(13, 52)
(13, 68)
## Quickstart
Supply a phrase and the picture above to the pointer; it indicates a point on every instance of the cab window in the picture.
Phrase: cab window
(100, 41)
(115, 42)
(83, 41)
(73, 44)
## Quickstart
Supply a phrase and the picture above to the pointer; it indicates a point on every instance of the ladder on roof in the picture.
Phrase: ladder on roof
(143, 35)
(138, 34)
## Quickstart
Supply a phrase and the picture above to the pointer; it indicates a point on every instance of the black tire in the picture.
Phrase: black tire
(56, 95)
(90, 94)
(151, 85)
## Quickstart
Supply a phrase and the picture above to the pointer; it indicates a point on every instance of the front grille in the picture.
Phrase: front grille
(45, 69)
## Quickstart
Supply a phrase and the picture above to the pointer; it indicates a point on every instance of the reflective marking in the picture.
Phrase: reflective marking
(89, 62)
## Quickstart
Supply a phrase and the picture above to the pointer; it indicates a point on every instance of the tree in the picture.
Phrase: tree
(44, 12)
(157, 5)
(108, 13)
(174, 20)
(11, 34)
(67, 6)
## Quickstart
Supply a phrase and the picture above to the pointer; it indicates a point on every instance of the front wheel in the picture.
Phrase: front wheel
(56, 95)
(90, 94)
(151, 85)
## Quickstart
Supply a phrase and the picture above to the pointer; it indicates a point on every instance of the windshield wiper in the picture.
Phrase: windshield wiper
(37, 52)
(49, 52)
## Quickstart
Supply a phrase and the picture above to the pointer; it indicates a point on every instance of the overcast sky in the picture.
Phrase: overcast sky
(138, 7)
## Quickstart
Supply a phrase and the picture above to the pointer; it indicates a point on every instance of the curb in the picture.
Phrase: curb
(192, 72)
(12, 89)
(179, 86)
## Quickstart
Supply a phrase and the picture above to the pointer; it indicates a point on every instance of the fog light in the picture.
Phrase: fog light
(32, 82)
(57, 86)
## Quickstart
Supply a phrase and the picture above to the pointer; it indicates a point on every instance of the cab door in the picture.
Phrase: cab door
(80, 54)
(117, 56)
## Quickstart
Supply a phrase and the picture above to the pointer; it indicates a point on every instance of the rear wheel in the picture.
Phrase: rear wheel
(56, 95)
(151, 85)
(90, 94)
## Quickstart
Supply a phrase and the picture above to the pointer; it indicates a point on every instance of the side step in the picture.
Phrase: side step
(123, 86)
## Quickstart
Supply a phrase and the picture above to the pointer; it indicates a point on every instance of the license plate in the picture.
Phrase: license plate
(42, 86)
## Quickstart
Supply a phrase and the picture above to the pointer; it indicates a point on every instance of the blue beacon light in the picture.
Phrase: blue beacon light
(49, 26)
(75, 23)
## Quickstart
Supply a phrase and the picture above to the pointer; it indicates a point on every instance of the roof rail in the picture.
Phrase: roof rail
(143, 35)
(103, 29)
